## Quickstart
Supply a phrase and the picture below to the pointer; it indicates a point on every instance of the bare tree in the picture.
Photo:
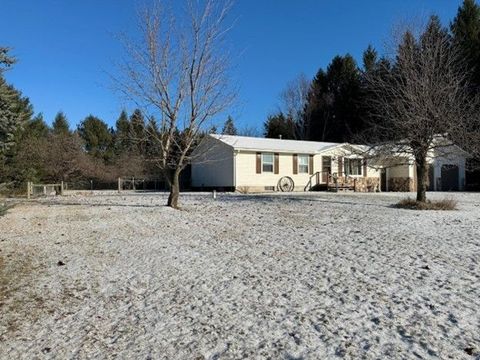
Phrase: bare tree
(293, 100)
(178, 72)
(420, 103)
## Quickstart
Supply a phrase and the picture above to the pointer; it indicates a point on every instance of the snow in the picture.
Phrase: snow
(267, 144)
(282, 276)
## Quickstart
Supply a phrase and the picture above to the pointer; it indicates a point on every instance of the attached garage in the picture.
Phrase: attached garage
(450, 178)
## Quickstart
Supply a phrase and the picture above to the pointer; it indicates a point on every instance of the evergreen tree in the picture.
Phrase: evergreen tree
(137, 131)
(333, 105)
(15, 110)
(466, 34)
(279, 126)
(229, 127)
(122, 133)
(5, 59)
(60, 124)
(36, 128)
(370, 59)
(152, 137)
(213, 130)
(96, 136)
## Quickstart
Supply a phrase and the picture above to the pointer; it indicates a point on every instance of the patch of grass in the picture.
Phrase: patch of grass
(3, 209)
(412, 204)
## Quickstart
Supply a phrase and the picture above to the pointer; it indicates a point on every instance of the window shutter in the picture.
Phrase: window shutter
(340, 166)
(310, 164)
(276, 163)
(259, 163)
(365, 168)
(295, 164)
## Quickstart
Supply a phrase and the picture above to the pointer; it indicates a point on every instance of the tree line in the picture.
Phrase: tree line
(31, 150)
(333, 106)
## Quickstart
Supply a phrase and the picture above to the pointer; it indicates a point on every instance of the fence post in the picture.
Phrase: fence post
(119, 185)
(61, 187)
(133, 182)
(28, 190)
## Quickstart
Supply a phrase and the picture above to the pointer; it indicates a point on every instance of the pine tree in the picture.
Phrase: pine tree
(369, 59)
(96, 136)
(122, 133)
(466, 34)
(333, 105)
(229, 127)
(152, 135)
(137, 131)
(37, 127)
(5, 59)
(15, 110)
(60, 124)
(279, 126)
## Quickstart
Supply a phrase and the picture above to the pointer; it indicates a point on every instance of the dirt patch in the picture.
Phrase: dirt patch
(17, 301)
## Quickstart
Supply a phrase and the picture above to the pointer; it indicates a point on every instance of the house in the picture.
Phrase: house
(249, 164)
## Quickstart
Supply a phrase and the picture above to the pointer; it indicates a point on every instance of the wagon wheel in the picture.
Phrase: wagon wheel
(285, 184)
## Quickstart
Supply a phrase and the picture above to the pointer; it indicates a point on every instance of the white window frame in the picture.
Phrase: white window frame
(348, 160)
(268, 163)
(299, 164)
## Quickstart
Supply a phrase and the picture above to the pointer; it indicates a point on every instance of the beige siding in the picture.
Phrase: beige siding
(246, 175)
(334, 154)
(401, 171)
(218, 165)
(212, 164)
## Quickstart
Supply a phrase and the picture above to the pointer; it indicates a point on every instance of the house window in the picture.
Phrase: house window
(303, 164)
(352, 166)
(267, 162)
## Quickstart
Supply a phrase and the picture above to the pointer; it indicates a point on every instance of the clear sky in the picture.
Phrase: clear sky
(65, 47)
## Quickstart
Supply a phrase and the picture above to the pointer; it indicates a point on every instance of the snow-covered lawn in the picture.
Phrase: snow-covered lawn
(296, 276)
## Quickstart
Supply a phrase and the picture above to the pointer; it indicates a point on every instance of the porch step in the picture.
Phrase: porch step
(319, 187)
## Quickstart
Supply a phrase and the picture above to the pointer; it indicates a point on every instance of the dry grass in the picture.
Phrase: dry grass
(3, 209)
(412, 204)
(243, 189)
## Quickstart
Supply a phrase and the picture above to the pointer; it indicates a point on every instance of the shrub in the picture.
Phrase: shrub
(3, 209)
(444, 204)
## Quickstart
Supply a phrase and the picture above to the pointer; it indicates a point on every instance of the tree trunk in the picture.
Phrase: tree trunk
(422, 179)
(174, 189)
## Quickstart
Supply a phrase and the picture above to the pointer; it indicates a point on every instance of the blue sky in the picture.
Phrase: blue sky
(65, 47)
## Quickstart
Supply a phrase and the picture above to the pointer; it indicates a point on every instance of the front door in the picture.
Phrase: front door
(326, 168)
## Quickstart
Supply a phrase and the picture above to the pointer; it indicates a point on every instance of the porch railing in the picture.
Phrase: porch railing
(318, 178)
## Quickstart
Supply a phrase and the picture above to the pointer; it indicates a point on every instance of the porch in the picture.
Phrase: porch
(326, 181)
